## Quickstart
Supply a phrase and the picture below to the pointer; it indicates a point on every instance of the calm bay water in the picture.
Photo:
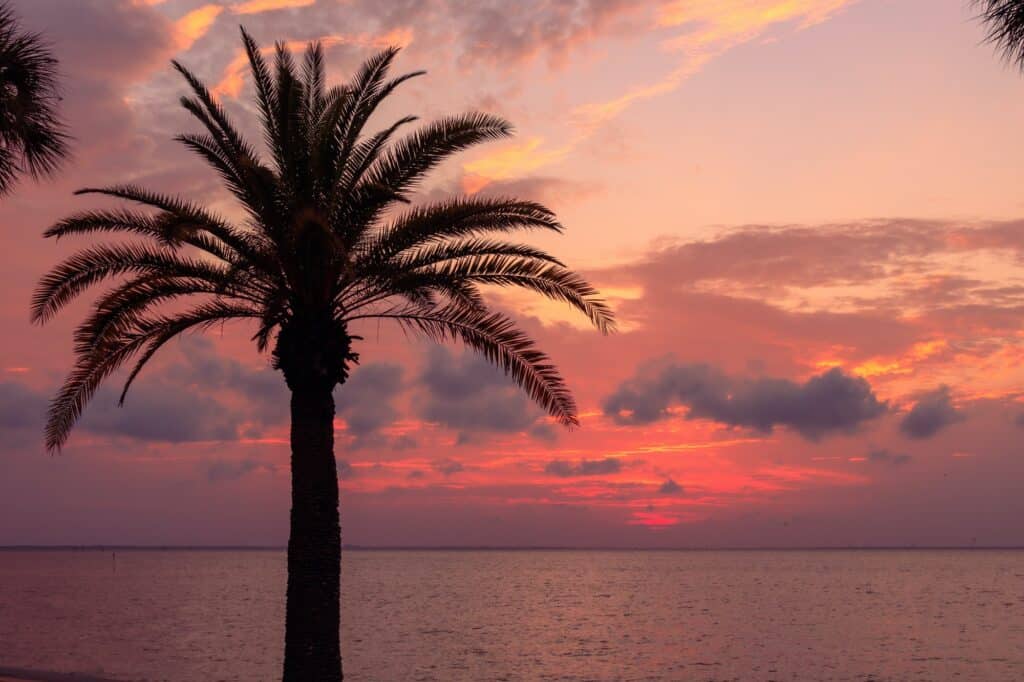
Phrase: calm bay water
(529, 615)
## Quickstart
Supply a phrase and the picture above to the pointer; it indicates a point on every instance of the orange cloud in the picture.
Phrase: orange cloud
(194, 25)
(233, 78)
(511, 161)
(725, 20)
(257, 6)
(590, 117)
(905, 364)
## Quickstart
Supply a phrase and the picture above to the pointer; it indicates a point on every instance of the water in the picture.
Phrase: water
(529, 615)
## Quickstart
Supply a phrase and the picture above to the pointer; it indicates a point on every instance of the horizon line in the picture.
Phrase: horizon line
(511, 548)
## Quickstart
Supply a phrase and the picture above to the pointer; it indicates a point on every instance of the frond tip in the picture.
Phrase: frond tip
(1004, 23)
(503, 344)
(146, 336)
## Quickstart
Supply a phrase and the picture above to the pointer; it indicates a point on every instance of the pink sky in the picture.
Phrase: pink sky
(808, 215)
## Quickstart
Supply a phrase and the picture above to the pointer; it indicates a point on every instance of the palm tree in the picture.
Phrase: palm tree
(32, 138)
(325, 244)
(1004, 20)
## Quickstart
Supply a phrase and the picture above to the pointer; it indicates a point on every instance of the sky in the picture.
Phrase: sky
(807, 215)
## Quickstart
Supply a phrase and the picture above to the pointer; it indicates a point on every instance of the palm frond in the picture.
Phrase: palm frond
(91, 369)
(92, 265)
(1004, 21)
(439, 251)
(79, 387)
(409, 271)
(358, 162)
(121, 307)
(400, 169)
(314, 79)
(253, 247)
(161, 330)
(215, 118)
(33, 138)
(361, 91)
(266, 96)
(461, 217)
(290, 147)
(498, 339)
(166, 228)
(508, 270)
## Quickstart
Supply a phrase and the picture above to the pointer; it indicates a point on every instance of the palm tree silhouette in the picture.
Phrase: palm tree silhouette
(322, 247)
(1004, 20)
(32, 138)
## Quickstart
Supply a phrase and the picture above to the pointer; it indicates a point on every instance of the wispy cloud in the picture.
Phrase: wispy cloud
(707, 29)
(233, 78)
(195, 24)
(259, 6)
(510, 162)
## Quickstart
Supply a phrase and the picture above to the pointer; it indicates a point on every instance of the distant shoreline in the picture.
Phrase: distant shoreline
(440, 548)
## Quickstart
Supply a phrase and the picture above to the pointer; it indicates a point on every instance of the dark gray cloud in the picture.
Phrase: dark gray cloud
(103, 47)
(670, 487)
(469, 394)
(931, 413)
(367, 402)
(105, 39)
(544, 431)
(448, 466)
(156, 411)
(554, 28)
(883, 456)
(472, 31)
(403, 442)
(21, 407)
(584, 467)
(202, 396)
(230, 470)
(1020, 420)
(826, 403)
(345, 470)
(262, 387)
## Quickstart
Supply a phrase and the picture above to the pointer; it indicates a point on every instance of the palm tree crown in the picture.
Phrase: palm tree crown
(32, 138)
(325, 242)
(1004, 20)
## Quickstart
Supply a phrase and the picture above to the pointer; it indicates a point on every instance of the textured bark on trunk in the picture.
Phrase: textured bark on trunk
(312, 651)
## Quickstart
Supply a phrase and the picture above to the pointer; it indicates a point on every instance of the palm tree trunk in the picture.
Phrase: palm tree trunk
(312, 650)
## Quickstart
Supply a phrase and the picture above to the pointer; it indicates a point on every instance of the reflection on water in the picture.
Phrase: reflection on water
(529, 615)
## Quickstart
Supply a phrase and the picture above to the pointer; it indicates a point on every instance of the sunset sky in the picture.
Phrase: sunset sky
(807, 214)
